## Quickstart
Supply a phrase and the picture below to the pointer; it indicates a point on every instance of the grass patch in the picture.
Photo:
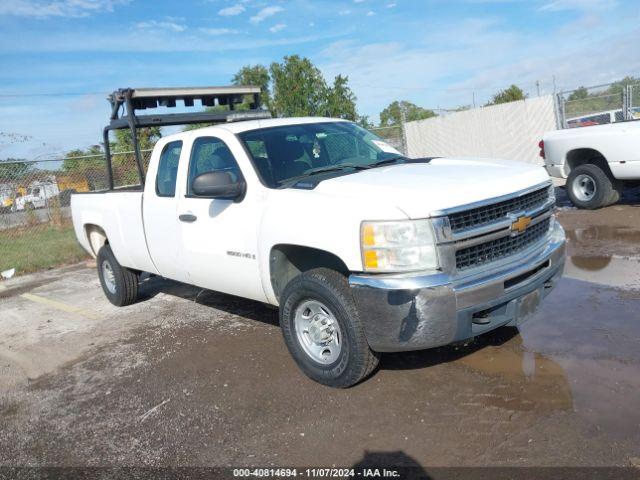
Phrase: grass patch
(38, 248)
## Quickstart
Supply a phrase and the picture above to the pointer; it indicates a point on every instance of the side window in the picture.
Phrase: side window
(211, 154)
(168, 169)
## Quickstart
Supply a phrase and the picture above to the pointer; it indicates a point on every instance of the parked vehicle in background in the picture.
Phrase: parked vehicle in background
(597, 161)
(38, 195)
(363, 249)
(6, 198)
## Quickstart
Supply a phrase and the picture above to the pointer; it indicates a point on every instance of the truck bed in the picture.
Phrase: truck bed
(118, 213)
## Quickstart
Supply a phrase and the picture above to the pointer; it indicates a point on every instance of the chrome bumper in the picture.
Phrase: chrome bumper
(415, 312)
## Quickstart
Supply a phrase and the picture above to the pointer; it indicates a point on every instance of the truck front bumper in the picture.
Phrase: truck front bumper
(415, 312)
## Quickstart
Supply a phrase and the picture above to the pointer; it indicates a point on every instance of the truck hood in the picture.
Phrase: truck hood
(419, 189)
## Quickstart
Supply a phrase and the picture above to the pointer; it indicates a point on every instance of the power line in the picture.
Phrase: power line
(59, 94)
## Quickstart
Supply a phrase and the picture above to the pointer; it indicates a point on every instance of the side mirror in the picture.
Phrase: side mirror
(218, 185)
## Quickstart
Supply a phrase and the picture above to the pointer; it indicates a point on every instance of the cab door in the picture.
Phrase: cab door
(219, 237)
(159, 212)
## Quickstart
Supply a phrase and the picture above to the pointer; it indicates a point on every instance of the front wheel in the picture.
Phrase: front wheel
(589, 187)
(119, 284)
(322, 330)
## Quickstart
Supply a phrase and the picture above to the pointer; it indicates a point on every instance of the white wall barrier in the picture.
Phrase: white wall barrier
(510, 131)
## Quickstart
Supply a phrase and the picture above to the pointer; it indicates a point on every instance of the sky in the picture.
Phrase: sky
(60, 58)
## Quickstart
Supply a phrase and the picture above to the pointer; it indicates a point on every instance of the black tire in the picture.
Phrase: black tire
(355, 361)
(607, 189)
(125, 280)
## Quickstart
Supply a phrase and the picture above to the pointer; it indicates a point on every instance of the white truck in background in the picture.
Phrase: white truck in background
(38, 196)
(362, 249)
(598, 161)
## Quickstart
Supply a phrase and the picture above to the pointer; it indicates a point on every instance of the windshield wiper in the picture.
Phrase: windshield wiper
(328, 168)
(387, 161)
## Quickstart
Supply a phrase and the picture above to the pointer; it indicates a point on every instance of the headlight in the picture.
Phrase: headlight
(401, 246)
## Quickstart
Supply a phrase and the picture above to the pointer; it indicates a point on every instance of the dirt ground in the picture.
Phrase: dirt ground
(195, 378)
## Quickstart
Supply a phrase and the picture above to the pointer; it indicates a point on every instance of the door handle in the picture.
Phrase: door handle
(187, 217)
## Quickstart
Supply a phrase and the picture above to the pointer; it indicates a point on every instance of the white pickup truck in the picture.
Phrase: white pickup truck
(363, 250)
(597, 161)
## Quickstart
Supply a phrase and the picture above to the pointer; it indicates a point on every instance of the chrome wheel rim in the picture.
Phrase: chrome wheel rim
(584, 187)
(109, 277)
(318, 332)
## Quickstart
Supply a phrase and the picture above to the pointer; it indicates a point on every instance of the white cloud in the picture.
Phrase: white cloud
(391, 5)
(370, 13)
(236, 9)
(277, 27)
(219, 31)
(265, 13)
(441, 71)
(170, 24)
(358, 1)
(57, 8)
(342, 13)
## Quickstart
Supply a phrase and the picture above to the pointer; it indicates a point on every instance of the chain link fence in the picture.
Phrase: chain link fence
(393, 135)
(597, 105)
(36, 231)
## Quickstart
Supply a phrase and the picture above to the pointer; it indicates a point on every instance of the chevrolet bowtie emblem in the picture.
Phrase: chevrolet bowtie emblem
(521, 224)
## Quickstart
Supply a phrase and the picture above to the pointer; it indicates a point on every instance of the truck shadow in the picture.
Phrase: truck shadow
(450, 353)
(151, 286)
(630, 196)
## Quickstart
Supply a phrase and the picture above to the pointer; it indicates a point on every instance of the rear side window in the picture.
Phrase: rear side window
(210, 154)
(168, 169)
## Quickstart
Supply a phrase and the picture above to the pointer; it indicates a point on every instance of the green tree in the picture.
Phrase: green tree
(147, 138)
(341, 102)
(511, 94)
(364, 122)
(620, 85)
(256, 75)
(578, 94)
(75, 160)
(298, 88)
(393, 113)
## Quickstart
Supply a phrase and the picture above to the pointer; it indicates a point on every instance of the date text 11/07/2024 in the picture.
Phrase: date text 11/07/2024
(316, 473)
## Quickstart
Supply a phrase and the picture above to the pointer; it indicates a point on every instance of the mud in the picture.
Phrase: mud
(191, 377)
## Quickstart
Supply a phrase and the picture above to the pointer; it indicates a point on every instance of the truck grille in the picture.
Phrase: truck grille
(477, 217)
(493, 250)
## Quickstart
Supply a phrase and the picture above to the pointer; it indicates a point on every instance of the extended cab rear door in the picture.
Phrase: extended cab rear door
(219, 237)
(159, 209)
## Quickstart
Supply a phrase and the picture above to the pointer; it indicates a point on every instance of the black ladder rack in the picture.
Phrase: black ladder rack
(125, 102)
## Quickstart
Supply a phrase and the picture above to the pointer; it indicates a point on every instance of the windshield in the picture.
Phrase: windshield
(283, 155)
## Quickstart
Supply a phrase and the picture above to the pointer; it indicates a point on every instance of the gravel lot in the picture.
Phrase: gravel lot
(192, 377)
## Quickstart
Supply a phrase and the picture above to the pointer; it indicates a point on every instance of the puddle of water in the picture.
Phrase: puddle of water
(531, 381)
(592, 333)
(593, 233)
(579, 353)
(606, 270)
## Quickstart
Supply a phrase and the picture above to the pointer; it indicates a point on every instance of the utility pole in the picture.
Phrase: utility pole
(474, 99)
(538, 86)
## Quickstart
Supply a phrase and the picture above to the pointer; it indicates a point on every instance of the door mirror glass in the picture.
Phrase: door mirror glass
(218, 184)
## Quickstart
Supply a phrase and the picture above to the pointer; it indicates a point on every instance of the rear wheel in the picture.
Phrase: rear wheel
(322, 330)
(119, 284)
(589, 187)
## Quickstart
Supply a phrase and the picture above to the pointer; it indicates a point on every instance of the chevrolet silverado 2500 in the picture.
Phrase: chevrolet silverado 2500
(597, 161)
(362, 249)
